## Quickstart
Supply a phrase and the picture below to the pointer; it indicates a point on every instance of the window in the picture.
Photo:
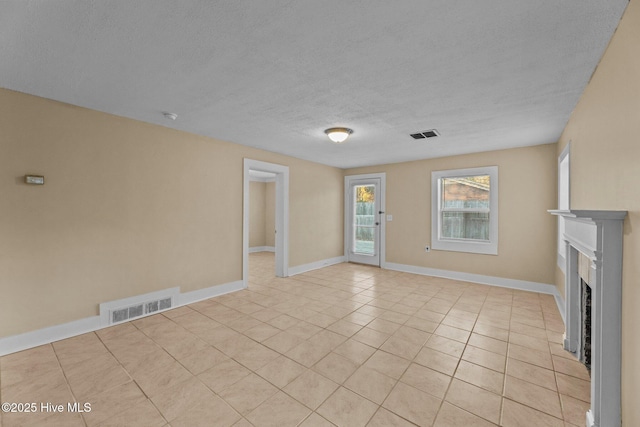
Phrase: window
(464, 210)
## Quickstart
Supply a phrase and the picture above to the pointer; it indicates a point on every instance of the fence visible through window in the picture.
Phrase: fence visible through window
(365, 220)
(465, 208)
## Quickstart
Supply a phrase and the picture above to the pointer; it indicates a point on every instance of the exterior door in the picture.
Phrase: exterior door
(364, 221)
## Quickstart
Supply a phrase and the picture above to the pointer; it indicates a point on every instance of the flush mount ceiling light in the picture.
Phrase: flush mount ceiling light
(338, 135)
(170, 116)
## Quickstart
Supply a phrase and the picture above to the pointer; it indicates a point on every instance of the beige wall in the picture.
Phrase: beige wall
(257, 214)
(604, 131)
(270, 214)
(129, 208)
(262, 214)
(526, 241)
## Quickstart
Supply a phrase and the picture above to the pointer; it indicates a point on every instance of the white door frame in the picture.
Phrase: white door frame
(347, 211)
(282, 216)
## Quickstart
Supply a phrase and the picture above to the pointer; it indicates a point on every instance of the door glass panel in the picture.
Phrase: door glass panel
(364, 225)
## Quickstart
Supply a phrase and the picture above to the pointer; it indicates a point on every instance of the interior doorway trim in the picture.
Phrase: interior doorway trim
(347, 220)
(282, 216)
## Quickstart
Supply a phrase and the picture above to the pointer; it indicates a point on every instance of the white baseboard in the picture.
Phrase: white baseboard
(299, 269)
(47, 335)
(206, 293)
(50, 334)
(15, 343)
(262, 249)
(523, 285)
(561, 305)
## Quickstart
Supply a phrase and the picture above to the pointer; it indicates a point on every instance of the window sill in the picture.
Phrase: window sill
(488, 248)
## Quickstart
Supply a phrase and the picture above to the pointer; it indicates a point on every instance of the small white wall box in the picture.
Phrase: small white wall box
(34, 179)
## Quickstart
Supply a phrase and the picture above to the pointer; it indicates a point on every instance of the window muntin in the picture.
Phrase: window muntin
(464, 210)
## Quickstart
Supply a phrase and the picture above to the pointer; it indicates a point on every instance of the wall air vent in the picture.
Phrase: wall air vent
(127, 313)
(431, 133)
(122, 314)
(161, 304)
(166, 303)
(119, 315)
(138, 306)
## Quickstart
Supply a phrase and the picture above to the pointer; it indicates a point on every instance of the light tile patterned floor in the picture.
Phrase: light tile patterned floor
(346, 345)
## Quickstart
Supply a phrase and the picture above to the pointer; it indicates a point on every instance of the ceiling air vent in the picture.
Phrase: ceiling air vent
(431, 133)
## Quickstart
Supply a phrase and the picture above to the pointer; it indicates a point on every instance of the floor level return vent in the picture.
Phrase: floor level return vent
(142, 305)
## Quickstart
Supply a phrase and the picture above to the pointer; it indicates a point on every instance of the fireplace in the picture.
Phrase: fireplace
(585, 323)
(594, 251)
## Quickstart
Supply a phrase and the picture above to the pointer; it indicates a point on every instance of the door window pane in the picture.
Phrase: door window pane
(364, 219)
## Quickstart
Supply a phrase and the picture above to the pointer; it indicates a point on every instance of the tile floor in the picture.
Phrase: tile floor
(346, 345)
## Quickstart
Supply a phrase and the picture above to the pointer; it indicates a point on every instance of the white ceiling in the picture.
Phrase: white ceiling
(488, 74)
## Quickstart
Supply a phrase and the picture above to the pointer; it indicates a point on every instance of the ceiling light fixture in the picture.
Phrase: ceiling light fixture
(170, 116)
(338, 135)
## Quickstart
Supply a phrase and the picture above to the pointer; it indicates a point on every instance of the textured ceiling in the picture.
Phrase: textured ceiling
(274, 74)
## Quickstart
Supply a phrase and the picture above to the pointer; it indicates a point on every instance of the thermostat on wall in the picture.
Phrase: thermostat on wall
(34, 179)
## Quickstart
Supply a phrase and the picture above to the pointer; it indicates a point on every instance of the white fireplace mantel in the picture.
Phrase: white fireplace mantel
(598, 235)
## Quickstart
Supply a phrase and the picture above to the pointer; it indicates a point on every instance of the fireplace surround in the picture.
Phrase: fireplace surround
(598, 236)
(585, 323)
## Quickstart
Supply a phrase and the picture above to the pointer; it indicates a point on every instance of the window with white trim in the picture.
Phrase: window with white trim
(464, 210)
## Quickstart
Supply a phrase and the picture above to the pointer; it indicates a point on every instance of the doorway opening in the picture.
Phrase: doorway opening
(262, 224)
(279, 176)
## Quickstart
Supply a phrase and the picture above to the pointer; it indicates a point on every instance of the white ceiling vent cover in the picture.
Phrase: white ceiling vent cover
(141, 305)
